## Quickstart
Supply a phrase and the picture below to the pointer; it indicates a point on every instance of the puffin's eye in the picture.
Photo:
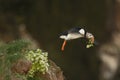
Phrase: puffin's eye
(89, 35)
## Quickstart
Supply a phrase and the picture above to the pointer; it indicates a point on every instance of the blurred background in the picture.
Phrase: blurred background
(44, 20)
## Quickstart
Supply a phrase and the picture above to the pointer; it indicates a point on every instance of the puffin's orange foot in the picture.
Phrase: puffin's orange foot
(63, 45)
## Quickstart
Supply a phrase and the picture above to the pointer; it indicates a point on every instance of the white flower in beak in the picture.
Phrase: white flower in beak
(91, 40)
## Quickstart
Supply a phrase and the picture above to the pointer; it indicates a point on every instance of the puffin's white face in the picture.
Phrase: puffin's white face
(89, 35)
(82, 31)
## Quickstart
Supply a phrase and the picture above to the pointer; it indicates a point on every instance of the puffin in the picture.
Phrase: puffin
(76, 33)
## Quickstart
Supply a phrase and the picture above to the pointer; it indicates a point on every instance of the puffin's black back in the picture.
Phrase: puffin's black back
(64, 33)
(74, 30)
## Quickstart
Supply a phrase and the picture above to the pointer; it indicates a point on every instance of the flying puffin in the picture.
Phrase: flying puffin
(76, 33)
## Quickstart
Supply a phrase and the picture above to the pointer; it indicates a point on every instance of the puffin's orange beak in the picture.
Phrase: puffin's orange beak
(63, 45)
(92, 40)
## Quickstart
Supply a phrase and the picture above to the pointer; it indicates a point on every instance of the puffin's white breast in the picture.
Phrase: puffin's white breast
(73, 36)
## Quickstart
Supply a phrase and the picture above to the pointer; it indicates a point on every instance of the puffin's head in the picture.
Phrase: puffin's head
(90, 37)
